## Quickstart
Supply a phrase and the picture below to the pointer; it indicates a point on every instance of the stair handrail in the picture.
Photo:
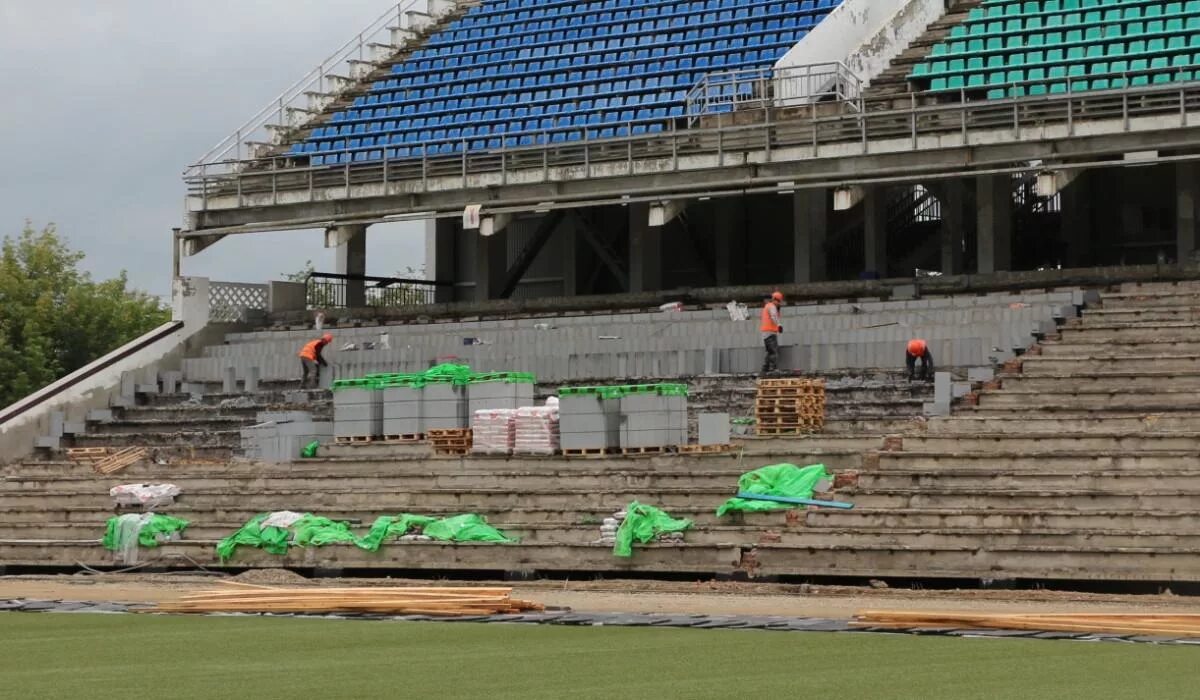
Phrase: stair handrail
(277, 108)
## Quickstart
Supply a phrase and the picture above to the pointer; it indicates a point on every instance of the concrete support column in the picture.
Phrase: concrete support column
(875, 210)
(570, 260)
(441, 256)
(352, 260)
(810, 226)
(645, 251)
(954, 202)
(1186, 183)
(491, 265)
(1076, 222)
(995, 215)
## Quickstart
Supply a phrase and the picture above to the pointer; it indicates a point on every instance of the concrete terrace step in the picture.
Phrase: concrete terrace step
(1041, 423)
(1122, 346)
(1106, 480)
(1031, 458)
(1091, 399)
(1060, 364)
(1125, 379)
(1096, 331)
(1031, 499)
(1106, 441)
(1126, 519)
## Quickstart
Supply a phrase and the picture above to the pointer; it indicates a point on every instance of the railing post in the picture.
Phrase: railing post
(912, 117)
(1125, 111)
(464, 164)
(425, 167)
(1070, 110)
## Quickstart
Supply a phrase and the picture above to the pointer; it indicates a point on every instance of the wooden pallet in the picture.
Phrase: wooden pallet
(452, 451)
(785, 430)
(120, 460)
(791, 383)
(656, 450)
(88, 455)
(586, 452)
(437, 433)
(405, 439)
(703, 449)
(355, 440)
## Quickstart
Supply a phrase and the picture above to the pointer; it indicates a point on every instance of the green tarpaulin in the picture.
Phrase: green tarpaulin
(468, 527)
(314, 531)
(643, 523)
(309, 531)
(776, 480)
(147, 535)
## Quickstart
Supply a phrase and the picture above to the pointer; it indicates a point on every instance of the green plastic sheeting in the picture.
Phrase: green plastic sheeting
(314, 531)
(389, 527)
(148, 536)
(468, 527)
(310, 450)
(776, 480)
(272, 539)
(643, 523)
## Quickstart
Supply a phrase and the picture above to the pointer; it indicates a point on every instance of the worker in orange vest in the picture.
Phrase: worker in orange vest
(771, 328)
(311, 360)
(918, 350)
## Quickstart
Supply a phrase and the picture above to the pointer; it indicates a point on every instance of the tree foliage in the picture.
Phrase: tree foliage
(54, 318)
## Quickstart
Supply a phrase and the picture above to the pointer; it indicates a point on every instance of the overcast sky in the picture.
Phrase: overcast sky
(106, 101)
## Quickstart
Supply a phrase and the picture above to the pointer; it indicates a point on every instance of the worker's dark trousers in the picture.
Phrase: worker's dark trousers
(310, 367)
(771, 361)
(926, 365)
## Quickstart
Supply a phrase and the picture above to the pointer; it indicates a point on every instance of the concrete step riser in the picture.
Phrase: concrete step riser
(1045, 425)
(1134, 333)
(1064, 365)
(1103, 461)
(1033, 501)
(1020, 441)
(1183, 347)
(1117, 401)
(1143, 315)
(1132, 482)
(1151, 302)
(187, 440)
(1080, 522)
(164, 430)
(1102, 383)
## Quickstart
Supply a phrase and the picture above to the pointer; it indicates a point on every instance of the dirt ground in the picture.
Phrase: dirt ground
(712, 598)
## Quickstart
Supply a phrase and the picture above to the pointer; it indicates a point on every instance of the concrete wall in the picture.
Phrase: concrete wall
(864, 34)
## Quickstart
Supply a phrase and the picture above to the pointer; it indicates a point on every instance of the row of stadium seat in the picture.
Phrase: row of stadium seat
(1013, 48)
(514, 74)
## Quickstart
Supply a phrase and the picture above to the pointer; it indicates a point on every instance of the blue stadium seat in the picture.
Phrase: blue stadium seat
(557, 71)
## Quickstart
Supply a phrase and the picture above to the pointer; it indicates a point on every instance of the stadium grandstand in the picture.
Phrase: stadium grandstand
(607, 188)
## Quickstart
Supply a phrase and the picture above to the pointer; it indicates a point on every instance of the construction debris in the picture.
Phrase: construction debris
(450, 602)
(1166, 624)
(120, 460)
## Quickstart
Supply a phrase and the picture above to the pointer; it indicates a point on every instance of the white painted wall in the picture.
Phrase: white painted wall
(865, 34)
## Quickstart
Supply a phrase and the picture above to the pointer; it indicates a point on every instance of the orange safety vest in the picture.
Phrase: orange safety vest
(768, 324)
(916, 347)
(309, 351)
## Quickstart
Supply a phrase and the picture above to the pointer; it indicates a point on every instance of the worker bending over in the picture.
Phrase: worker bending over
(918, 350)
(771, 329)
(312, 360)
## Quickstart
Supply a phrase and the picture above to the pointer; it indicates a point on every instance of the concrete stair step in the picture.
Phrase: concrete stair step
(1107, 441)
(1030, 458)
(1122, 347)
(1128, 379)
(1041, 423)
(1110, 400)
(1033, 499)
(1054, 365)
(1181, 522)
(1107, 480)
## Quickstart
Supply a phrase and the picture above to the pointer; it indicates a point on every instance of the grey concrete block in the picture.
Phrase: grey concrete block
(935, 409)
(48, 442)
(57, 420)
(960, 389)
(74, 428)
(981, 374)
(942, 389)
(229, 380)
(252, 378)
(99, 415)
(713, 428)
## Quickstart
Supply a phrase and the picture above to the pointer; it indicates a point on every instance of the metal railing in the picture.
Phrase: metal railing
(811, 128)
(728, 91)
(327, 290)
(230, 149)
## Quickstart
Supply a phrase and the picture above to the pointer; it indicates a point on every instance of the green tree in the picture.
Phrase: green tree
(54, 318)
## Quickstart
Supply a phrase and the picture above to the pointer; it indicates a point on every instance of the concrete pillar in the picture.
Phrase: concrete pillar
(1076, 222)
(441, 256)
(570, 260)
(1186, 183)
(491, 265)
(954, 202)
(994, 200)
(810, 225)
(352, 260)
(729, 240)
(875, 211)
(645, 251)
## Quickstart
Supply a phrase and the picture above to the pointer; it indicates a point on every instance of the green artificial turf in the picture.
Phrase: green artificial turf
(97, 657)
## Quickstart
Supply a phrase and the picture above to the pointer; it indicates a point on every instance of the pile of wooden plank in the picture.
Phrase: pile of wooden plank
(1160, 624)
(87, 455)
(787, 406)
(119, 460)
(451, 602)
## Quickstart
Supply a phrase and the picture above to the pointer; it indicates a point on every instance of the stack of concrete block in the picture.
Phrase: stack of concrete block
(713, 429)
(280, 436)
(652, 418)
(502, 393)
(357, 409)
(589, 421)
(402, 411)
(444, 407)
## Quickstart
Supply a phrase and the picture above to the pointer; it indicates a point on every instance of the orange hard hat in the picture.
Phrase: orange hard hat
(916, 347)
(777, 296)
(328, 337)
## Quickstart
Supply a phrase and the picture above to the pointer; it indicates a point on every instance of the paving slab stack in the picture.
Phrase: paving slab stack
(357, 408)
(623, 417)
(589, 419)
(402, 409)
(444, 406)
(500, 390)
(280, 436)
